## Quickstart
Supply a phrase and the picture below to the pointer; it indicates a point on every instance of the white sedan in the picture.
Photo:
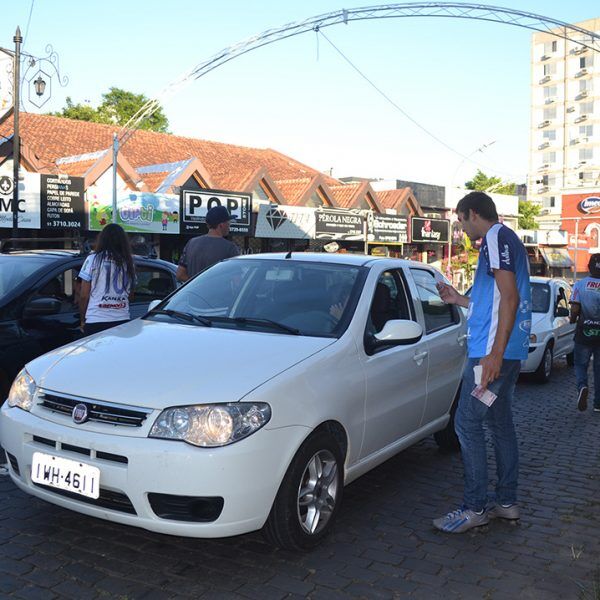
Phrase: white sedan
(245, 400)
(551, 333)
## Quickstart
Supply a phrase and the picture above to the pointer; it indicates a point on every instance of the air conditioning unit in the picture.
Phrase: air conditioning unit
(574, 141)
(581, 73)
(571, 109)
(584, 140)
(579, 50)
(544, 145)
(543, 189)
(546, 57)
(543, 124)
(549, 100)
(583, 94)
(543, 167)
(580, 118)
(546, 79)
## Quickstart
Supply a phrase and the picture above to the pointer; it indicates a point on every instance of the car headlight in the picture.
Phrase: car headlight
(22, 391)
(211, 425)
(533, 338)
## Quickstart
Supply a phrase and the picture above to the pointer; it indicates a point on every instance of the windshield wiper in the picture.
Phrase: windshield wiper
(182, 315)
(253, 321)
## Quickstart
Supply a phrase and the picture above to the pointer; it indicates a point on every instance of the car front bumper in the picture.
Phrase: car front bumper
(534, 358)
(246, 474)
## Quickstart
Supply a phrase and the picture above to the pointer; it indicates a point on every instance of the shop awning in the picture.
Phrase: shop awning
(557, 257)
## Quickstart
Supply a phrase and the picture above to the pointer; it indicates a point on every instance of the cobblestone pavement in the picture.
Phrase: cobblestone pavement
(383, 545)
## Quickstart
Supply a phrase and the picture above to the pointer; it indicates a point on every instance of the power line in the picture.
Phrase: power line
(465, 157)
(28, 22)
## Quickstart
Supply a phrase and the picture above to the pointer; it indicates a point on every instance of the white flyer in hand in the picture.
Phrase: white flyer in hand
(484, 395)
(477, 371)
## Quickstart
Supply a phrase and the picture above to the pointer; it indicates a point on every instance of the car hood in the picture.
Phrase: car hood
(155, 365)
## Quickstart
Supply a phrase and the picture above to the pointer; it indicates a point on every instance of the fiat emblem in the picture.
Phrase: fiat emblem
(80, 413)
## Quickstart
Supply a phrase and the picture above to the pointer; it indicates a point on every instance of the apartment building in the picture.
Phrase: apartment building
(564, 152)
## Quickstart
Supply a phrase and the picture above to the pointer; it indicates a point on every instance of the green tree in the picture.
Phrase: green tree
(116, 108)
(482, 183)
(527, 213)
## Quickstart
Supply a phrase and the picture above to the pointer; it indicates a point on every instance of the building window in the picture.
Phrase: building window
(586, 130)
(549, 135)
(548, 201)
(550, 91)
(550, 113)
(585, 85)
(586, 61)
(586, 153)
(586, 108)
(549, 157)
(550, 69)
(550, 47)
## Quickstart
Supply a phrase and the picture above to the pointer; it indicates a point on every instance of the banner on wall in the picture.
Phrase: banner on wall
(29, 198)
(62, 201)
(339, 225)
(195, 204)
(139, 212)
(285, 222)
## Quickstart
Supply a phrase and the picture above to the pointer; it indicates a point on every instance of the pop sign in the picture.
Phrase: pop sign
(195, 204)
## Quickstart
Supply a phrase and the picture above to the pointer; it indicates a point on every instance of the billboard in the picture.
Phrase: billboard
(285, 222)
(29, 198)
(195, 204)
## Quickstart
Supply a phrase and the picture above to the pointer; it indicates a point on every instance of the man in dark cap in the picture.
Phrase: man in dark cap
(206, 250)
(585, 311)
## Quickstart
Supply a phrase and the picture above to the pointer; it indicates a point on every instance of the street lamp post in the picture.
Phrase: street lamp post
(18, 40)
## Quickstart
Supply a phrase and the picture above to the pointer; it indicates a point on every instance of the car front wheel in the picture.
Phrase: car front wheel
(544, 370)
(309, 496)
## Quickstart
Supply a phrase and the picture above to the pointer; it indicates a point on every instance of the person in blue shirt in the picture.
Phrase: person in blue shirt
(498, 321)
(585, 311)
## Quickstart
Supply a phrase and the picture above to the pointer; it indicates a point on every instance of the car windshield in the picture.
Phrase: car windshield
(277, 296)
(540, 297)
(14, 269)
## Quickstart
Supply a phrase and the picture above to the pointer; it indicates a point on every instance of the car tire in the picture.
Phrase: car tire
(571, 359)
(446, 439)
(309, 496)
(544, 370)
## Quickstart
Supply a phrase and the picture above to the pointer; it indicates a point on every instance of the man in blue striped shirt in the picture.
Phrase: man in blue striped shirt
(499, 321)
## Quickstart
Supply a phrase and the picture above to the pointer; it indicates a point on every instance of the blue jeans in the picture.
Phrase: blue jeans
(582, 355)
(470, 417)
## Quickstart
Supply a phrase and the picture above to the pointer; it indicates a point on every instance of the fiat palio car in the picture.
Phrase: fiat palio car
(245, 400)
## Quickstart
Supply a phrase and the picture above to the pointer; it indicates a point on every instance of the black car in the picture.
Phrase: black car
(38, 302)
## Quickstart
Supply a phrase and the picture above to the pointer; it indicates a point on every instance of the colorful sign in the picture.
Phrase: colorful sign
(137, 211)
(6, 83)
(195, 204)
(339, 225)
(429, 231)
(62, 203)
(285, 222)
(581, 221)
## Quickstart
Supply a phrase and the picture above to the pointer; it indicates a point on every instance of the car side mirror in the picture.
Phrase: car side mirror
(561, 311)
(153, 304)
(39, 307)
(398, 332)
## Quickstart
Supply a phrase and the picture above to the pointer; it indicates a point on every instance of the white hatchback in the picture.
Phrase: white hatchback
(551, 333)
(245, 400)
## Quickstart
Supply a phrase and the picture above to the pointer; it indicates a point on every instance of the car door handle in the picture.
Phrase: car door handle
(462, 338)
(420, 356)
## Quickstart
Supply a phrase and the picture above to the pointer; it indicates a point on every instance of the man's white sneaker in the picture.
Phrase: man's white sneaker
(504, 511)
(461, 520)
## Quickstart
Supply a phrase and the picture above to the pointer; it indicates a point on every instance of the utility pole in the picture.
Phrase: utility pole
(18, 39)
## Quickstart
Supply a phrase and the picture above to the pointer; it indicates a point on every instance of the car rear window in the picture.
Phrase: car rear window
(540, 297)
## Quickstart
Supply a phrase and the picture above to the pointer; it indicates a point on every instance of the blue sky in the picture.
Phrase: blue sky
(466, 81)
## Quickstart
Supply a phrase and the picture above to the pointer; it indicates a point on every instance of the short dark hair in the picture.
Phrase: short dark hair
(594, 265)
(480, 203)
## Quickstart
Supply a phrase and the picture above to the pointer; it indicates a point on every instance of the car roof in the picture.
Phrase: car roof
(360, 260)
(537, 279)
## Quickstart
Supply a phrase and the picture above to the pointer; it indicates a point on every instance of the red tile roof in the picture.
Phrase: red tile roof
(345, 194)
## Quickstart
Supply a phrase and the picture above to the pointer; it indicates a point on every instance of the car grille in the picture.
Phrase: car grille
(109, 456)
(101, 412)
(108, 499)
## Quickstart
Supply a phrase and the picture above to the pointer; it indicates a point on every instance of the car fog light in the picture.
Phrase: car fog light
(533, 338)
(22, 391)
(211, 425)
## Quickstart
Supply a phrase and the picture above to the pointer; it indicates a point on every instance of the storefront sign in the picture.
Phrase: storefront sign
(285, 222)
(195, 204)
(387, 229)
(339, 225)
(29, 198)
(557, 257)
(62, 202)
(430, 231)
(139, 212)
(589, 205)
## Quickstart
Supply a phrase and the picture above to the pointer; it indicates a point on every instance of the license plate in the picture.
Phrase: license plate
(65, 474)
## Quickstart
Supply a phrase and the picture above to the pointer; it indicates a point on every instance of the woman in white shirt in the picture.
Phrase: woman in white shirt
(107, 282)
